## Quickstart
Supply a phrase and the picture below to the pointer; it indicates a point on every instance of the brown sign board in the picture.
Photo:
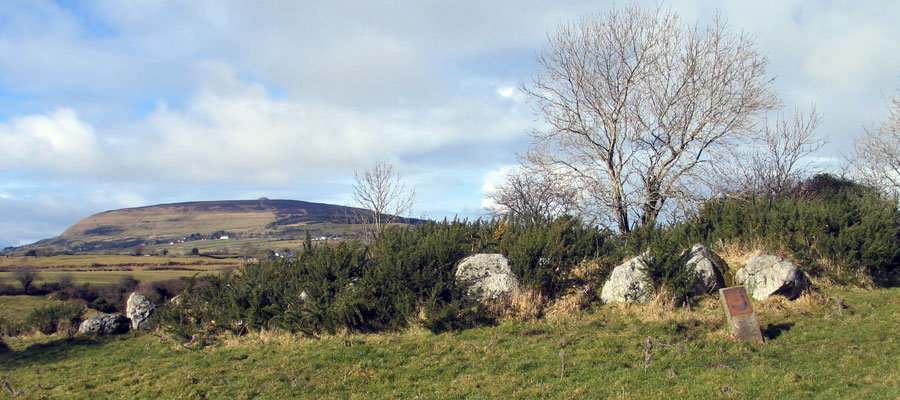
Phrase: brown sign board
(736, 300)
(739, 311)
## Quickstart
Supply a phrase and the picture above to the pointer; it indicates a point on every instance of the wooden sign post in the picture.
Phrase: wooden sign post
(741, 317)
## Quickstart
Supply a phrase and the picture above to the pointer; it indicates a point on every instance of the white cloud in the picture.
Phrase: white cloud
(57, 142)
(270, 96)
(233, 131)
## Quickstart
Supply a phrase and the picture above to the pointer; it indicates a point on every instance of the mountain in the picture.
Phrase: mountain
(237, 219)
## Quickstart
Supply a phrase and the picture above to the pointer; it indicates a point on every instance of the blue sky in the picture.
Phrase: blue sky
(111, 104)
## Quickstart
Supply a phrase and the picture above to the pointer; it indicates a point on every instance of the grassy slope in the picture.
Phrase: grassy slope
(815, 349)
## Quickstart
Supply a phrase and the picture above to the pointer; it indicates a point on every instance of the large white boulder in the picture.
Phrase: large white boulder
(766, 275)
(487, 274)
(138, 309)
(627, 283)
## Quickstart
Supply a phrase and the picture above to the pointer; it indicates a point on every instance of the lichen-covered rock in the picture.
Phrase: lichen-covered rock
(767, 275)
(487, 274)
(708, 269)
(627, 283)
(138, 309)
(106, 324)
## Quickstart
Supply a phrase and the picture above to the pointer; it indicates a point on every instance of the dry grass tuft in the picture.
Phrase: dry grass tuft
(736, 253)
(577, 299)
(521, 304)
(808, 302)
(658, 310)
(263, 338)
(591, 271)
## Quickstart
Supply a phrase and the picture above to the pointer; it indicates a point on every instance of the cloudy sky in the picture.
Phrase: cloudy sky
(109, 104)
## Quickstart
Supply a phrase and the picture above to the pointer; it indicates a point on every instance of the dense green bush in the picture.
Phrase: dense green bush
(56, 318)
(837, 229)
(405, 274)
(402, 274)
(665, 257)
(543, 253)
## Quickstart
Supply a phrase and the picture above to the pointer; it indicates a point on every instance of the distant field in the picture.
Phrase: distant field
(230, 247)
(102, 269)
(100, 260)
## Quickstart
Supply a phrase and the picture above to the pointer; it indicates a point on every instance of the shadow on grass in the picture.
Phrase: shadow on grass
(775, 330)
(51, 351)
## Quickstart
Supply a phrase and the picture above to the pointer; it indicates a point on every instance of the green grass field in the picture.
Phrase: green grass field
(815, 348)
(15, 309)
(103, 269)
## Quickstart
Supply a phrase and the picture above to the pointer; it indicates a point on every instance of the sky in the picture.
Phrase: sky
(109, 104)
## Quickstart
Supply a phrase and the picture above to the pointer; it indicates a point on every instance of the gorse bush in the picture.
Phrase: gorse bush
(56, 318)
(543, 253)
(665, 263)
(405, 275)
(837, 229)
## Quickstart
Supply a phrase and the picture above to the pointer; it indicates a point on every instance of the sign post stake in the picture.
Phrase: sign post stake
(741, 318)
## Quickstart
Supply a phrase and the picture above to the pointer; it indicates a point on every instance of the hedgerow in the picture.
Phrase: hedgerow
(839, 230)
(405, 275)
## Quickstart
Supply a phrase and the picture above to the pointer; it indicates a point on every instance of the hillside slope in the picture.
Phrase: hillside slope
(164, 223)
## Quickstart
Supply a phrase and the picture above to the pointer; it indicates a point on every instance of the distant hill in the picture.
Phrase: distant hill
(200, 220)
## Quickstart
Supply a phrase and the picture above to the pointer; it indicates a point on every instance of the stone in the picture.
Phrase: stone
(627, 283)
(742, 321)
(138, 309)
(766, 275)
(487, 274)
(708, 267)
(106, 324)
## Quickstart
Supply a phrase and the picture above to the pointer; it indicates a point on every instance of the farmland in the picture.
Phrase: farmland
(104, 269)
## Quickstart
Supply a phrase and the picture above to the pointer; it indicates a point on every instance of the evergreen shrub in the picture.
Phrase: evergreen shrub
(56, 318)
(665, 256)
(406, 274)
(543, 253)
(837, 229)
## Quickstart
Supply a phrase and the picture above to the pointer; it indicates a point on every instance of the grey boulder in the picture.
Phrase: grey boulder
(486, 274)
(767, 275)
(106, 324)
(708, 268)
(138, 309)
(627, 283)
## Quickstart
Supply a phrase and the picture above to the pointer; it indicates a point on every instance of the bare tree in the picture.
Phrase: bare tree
(381, 191)
(777, 164)
(876, 156)
(637, 103)
(533, 195)
(26, 276)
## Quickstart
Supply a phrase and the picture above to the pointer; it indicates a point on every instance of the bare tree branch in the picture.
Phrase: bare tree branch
(381, 191)
(876, 156)
(778, 164)
(533, 195)
(637, 104)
